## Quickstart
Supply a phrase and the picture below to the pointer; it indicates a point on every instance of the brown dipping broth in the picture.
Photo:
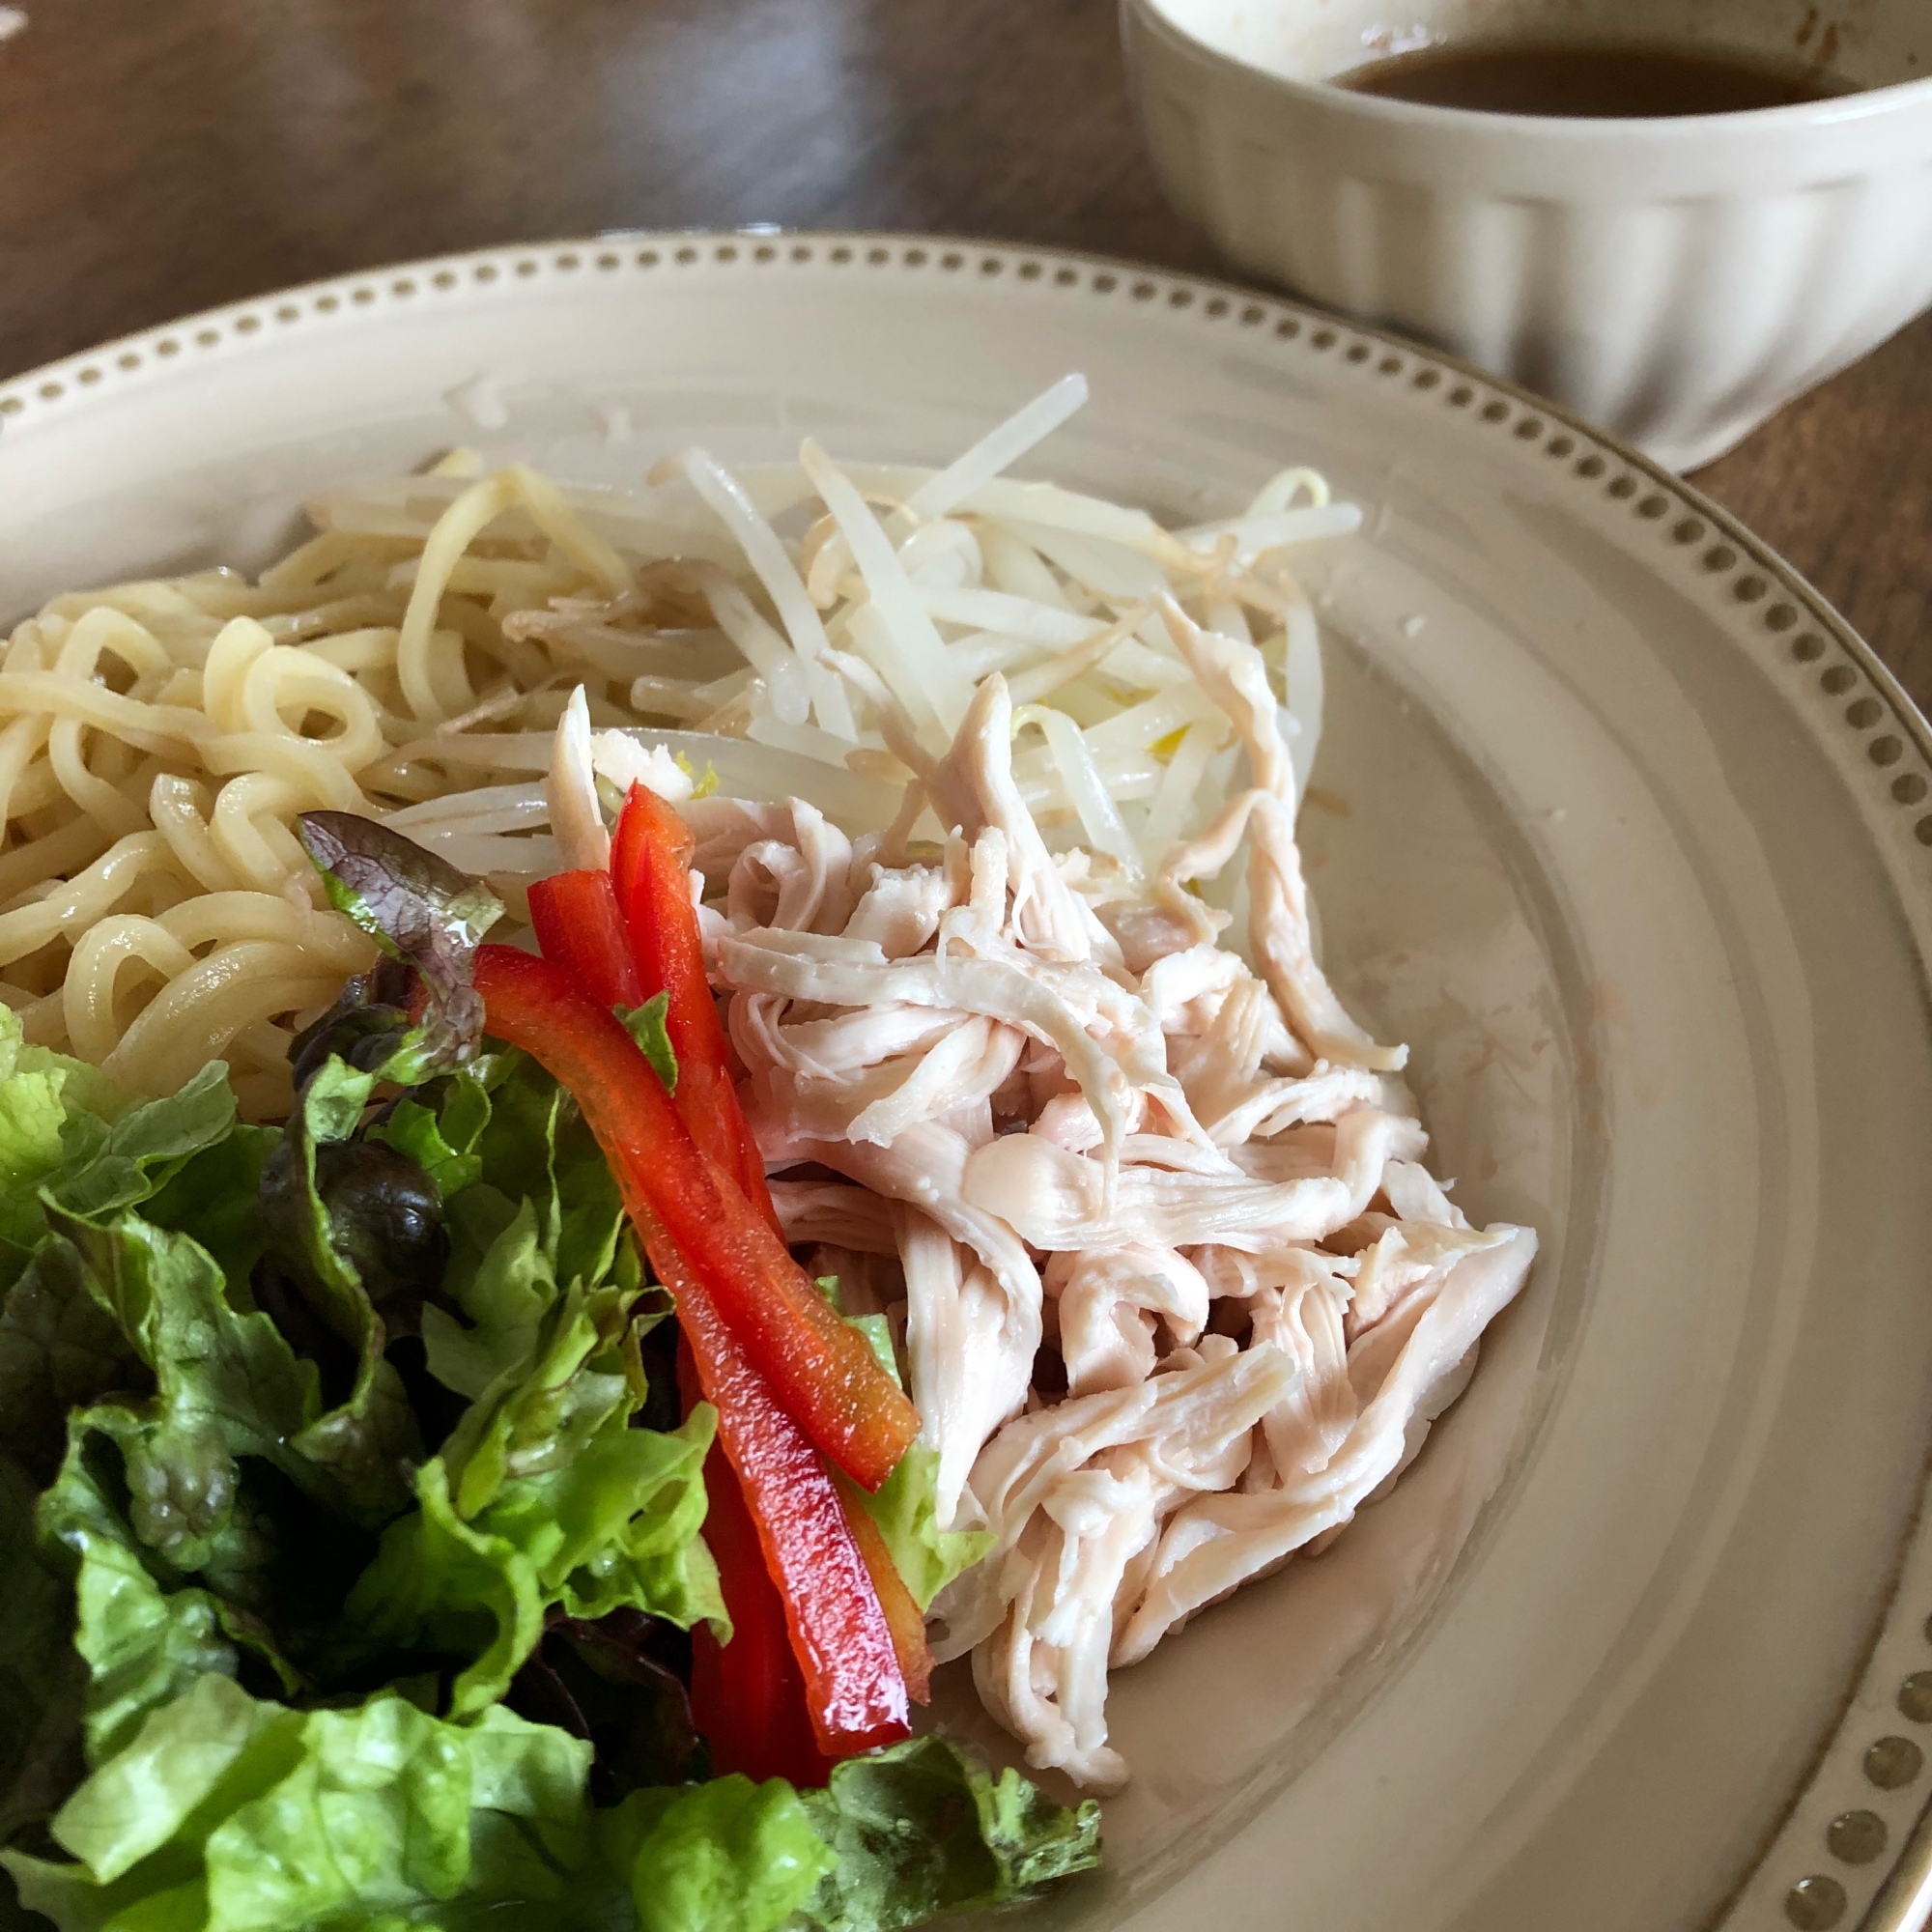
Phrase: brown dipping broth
(1625, 81)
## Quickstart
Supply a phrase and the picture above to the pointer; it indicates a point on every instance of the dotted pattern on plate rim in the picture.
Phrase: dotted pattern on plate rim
(1892, 1768)
(1893, 1763)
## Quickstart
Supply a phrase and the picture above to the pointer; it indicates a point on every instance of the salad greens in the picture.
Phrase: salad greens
(351, 1530)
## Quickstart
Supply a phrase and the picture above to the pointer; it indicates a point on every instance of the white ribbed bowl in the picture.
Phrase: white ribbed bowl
(1676, 281)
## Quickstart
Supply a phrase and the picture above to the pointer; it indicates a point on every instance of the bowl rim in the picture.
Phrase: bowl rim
(1889, 99)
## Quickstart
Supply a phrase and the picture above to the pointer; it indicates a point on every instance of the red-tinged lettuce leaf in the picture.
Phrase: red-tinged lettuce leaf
(42, 1678)
(61, 1348)
(270, 1566)
(228, 1379)
(421, 912)
(198, 1531)
(619, 1682)
(342, 1217)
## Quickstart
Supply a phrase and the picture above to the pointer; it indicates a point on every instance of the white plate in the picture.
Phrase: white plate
(1616, 822)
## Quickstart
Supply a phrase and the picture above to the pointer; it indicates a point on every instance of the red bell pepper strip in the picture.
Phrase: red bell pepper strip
(748, 1697)
(900, 1609)
(651, 862)
(651, 867)
(855, 1694)
(855, 1691)
(580, 925)
(820, 1369)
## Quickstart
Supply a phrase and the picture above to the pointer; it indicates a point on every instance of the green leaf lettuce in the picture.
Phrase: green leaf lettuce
(922, 1829)
(234, 1815)
(729, 1856)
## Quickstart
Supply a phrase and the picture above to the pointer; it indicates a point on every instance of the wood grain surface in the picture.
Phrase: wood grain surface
(155, 159)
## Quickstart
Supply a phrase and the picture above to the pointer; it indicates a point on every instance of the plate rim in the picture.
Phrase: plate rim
(1789, 612)
(83, 377)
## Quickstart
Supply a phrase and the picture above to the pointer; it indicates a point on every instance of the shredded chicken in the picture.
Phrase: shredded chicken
(1178, 1295)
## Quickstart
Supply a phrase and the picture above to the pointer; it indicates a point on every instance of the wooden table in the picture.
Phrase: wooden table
(157, 159)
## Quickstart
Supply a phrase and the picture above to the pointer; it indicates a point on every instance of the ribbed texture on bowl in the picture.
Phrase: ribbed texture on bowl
(1676, 283)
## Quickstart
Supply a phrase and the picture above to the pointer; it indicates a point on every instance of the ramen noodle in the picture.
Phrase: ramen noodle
(775, 627)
